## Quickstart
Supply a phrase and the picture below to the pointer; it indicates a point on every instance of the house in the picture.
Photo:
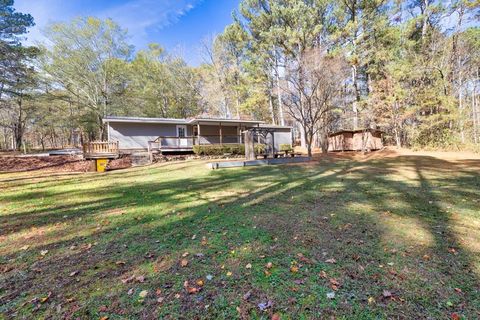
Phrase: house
(180, 135)
(355, 140)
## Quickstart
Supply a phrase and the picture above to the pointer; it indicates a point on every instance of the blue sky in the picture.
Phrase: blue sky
(178, 25)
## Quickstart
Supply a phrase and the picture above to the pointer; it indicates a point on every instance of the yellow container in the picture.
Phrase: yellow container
(102, 165)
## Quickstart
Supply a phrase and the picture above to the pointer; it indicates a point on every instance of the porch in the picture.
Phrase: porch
(206, 133)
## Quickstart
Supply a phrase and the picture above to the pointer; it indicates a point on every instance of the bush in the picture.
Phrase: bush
(286, 147)
(259, 148)
(220, 150)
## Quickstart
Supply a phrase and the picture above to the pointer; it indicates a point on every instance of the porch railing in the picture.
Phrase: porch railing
(166, 142)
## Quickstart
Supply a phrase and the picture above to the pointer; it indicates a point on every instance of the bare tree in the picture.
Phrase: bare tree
(313, 91)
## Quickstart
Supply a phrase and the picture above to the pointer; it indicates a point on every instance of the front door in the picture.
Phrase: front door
(182, 134)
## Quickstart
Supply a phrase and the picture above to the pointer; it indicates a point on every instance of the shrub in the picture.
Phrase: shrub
(220, 150)
(259, 148)
(286, 147)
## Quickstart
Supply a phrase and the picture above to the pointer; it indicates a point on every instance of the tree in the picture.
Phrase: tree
(83, 60)
(313, 94)
(17, 76)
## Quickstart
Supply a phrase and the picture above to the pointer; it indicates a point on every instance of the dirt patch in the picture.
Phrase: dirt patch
(121, 163)
(392, 152)
(57, 163)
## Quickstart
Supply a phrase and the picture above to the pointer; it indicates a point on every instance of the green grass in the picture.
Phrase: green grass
(407, 225)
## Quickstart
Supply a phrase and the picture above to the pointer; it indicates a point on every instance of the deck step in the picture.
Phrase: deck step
(140, 158)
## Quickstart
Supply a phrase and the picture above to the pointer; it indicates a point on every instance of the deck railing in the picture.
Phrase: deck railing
(172, 142)
(100, 148)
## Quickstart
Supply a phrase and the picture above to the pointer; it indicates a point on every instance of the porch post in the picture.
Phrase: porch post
(221, 138)
(273, 143)
(198, 133)
(258, 136)
(239, 133)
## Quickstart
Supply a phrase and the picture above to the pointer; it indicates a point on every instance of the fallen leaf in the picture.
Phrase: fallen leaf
(74, 273)
(458, 290)
(426, 257)
(248, 266)
(184, 262)
(185, 254)
(120, 263)
(103, 309)
(192, 290)
(25, 247)
(143, 293)
(247, 295)
(265, 305)
(160, 300)
(269, 265)
(455, 316)
(276, 316)
(104, 318)
(204, 241)
(323, 274)
(371, 300)
(303, 259)
(294, 269)
(45, 299)
(194, 237)
(129, 279)
(334, 284)
(140, 279)
(387, 294)
(200, 282)
(229, 274)
(332, 260)
(43, 252)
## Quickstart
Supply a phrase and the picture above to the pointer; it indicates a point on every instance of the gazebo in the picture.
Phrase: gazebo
(250, 140)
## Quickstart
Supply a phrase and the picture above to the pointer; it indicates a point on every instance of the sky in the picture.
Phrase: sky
(180, 26)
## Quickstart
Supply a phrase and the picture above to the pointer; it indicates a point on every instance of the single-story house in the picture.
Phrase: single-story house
(180, 135)
(355, 140)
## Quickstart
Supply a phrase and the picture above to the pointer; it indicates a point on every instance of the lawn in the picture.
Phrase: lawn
(349, 238)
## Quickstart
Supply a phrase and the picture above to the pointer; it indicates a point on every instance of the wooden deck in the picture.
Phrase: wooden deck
(100, 150)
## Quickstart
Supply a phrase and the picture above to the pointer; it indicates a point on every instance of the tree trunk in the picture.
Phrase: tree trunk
(324, 140)
(279, 92)
(249, 145)
(357, 97)
(474, 116)
(18, 131)
(425, 13)
(272, 112)
(308, 141)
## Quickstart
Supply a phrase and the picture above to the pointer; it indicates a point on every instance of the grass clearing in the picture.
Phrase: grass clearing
(393, 237)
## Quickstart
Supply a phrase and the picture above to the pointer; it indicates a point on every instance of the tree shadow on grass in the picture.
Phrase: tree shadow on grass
(278, 212)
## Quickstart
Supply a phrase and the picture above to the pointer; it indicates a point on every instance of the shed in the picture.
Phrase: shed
(355, 140)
